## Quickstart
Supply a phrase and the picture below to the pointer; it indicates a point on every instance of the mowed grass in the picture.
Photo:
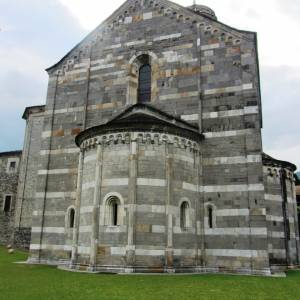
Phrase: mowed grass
(27, 282)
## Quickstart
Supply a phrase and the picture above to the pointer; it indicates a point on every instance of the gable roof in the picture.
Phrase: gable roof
(143, 117)
(11, 153)
(127, 4)
(150, 112)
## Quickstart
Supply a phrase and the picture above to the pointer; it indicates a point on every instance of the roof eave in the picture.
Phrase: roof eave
(282, 163)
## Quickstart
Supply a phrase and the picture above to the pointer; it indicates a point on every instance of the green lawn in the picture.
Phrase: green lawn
(18, 282)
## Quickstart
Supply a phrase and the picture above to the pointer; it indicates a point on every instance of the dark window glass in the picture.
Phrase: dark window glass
(72, 217)
(184, 215)
(288, 229)
(12, 166)
(7, 204)
(144, 89)
(115, 213)
(210, 217)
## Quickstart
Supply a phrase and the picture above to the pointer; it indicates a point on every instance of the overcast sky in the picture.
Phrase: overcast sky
(34, 34)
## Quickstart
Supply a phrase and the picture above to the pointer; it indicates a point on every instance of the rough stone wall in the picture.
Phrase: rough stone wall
(22, 237)
(25, 206)
(8, 186)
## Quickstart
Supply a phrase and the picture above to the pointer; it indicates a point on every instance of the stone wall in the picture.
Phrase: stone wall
(25, 205)
(22, 237)
(8, 187)
(151, 179)
(203, 72)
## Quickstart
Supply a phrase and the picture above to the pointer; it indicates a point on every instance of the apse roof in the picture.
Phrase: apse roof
(270, 161)
(143, 117)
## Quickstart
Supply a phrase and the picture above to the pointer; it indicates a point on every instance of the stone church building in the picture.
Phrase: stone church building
(147, 156)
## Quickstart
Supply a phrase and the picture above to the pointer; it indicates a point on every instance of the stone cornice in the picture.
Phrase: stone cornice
(272, 162)
(140, 137)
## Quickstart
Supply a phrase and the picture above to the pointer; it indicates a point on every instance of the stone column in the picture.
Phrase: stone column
(133, 160)
(285, 213)
(96, 205)
(77, 210)
(169, 217)
(199, 215)
(199, 81)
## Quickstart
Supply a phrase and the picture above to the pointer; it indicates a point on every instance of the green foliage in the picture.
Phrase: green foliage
(27, 282)
(297, 178)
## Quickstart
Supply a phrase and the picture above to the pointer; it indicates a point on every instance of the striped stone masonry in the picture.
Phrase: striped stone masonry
(114, 180)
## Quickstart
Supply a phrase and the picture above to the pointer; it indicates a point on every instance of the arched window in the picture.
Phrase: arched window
(144, 87)
(184, 215)
(72, 218)
(113, 211)
(7, 203)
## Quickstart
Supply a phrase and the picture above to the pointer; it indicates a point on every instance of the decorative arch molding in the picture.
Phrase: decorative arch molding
(135, 63)
(153, 57)
(113, 194)
(185, 199)
(142, 138)
(113, 210)
(174, 12)
(185, 213)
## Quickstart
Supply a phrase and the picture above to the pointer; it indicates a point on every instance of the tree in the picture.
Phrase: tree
(297, 178)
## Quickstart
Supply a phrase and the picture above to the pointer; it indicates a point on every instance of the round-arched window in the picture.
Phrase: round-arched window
(113, 211)
(184, 215)
(144, 88)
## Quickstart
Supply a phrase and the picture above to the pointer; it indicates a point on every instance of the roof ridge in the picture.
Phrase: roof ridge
(153, 108)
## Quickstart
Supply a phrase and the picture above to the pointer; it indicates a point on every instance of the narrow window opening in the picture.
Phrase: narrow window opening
(114, 212)
(288, 230)
(72, 218)
(184, 215)
(144, 87)
(7, 204)
(210, 217)
(12, 165)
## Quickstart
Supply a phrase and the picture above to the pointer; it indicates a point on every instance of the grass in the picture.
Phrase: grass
(27, 282)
